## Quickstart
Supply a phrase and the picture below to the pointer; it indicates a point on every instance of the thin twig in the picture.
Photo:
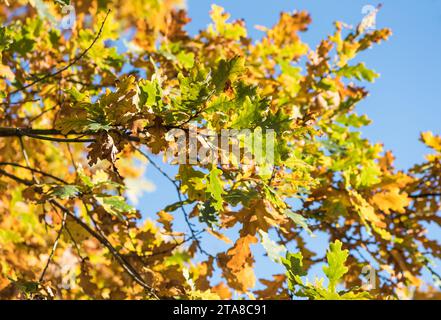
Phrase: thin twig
(425, 195)
(33, 170)
(44, 111)
(17, 179)
(72, 160)
(98, 236)
(19, 102)
(70, 235)
(25, 156)
(74, 61)
(103, 240)
(54, 247)
(178, 191)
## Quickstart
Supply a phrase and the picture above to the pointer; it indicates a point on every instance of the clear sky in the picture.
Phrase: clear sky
(404, 101)
(406, 98)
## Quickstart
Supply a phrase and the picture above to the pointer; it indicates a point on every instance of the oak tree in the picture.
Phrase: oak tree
(89, 102)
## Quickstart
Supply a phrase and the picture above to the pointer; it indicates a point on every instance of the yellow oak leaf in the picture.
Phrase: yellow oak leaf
(166, 220)
(222, 291)
(219, 236)
(259, 215)
(366, 211)
(391, 200)
(431, 140)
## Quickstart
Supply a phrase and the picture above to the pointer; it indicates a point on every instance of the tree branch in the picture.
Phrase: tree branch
(425, 195)
(45, 134)
(103, 240)
(100, 237)
(17, 179)
(74, 61)
(33, 170)
(54, 247)
(178, 191)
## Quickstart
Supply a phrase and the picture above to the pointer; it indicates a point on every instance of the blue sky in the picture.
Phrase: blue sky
(403, 102)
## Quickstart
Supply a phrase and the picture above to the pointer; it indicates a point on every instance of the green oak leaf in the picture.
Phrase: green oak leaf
(299, 220)
(115, 205)
(336, 268)
(214, 187)
(228, 70)
(359, 72)
(64, 191)
(275, 251)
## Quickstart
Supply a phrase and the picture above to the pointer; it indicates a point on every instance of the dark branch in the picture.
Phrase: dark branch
(425, 195)
(17, 179)
(100, 237)
(33, 170)
(54, 247)
(47, 134)
(193, 232)
(103, 240)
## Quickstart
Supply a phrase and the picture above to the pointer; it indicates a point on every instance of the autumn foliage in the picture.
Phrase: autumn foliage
(84, 111)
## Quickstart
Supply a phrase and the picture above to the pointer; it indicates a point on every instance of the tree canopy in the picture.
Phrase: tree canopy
(89, 99)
